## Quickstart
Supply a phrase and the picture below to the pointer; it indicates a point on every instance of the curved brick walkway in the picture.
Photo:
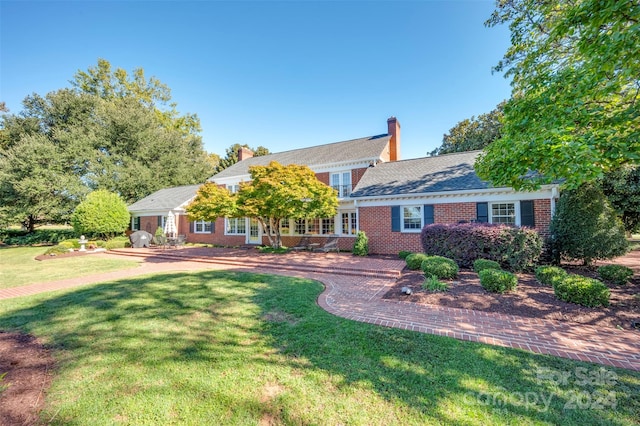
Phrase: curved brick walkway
(354, 290)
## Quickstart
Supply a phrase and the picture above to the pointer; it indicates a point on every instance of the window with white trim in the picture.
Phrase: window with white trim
(201, 227)
(411, 218)
(235, 226)
(341, 182)
(349, 223)
(328, 226)
(504, 213)
(233, 188)
(135, 223)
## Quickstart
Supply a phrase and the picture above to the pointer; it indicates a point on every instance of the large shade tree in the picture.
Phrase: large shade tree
(472, 133)
(574, 111)
(109, 131)
(275, 193)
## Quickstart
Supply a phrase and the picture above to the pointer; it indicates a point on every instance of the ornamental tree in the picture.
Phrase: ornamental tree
(574, 112)
(275, 193)
(102, 213)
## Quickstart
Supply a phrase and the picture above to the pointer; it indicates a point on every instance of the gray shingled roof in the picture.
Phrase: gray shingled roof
(450, 172)
(165, 199)
(369, 148)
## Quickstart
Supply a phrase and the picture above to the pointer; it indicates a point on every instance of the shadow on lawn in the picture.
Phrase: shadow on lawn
(227, 320)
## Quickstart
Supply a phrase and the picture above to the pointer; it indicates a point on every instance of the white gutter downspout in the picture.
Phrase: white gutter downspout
(554, 195)
(355, 204)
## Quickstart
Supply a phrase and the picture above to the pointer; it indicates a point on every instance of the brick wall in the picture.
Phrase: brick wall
(376, 223)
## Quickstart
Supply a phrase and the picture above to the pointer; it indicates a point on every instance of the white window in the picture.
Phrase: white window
(233, 188)
(236, 226)
(504, 213)
(412, 218)
(349, 223)
(341, 182)
(201, 227)
(329, 226)
(135, 223)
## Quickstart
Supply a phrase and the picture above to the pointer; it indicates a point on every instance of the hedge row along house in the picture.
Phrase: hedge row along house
(390, 199)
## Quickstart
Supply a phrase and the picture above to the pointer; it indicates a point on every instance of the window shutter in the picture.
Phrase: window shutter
(527, 215)
(160, 221)
(213, 227)
(191, 227)
(482, 212)
(428, 214)
(395, 218)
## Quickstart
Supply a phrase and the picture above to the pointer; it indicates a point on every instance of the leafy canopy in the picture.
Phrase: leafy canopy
(472, 133)
(275, 193)
(574, 111)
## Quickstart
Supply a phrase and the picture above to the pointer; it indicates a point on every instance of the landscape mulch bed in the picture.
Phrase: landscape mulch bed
(530, 299)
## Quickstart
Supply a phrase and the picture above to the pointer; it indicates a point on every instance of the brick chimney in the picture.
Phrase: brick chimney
(394, 143)
(244, 153)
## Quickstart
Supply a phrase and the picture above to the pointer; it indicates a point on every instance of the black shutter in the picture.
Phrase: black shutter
(395, 218)
(527, 215)
(191, 227)
(428, 214)
(482, 212)
(213, 227)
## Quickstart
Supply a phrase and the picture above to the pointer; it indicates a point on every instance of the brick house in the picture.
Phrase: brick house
(387, 198)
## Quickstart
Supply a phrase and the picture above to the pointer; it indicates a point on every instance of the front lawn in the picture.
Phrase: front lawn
(237, 348)
(18, 266)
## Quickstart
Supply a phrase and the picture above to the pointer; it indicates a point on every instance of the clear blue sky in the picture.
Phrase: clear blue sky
(284, 74)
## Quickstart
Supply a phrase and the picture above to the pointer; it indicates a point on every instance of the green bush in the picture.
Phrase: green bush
(102, 213)
(404, 253)
(497, 281)
(118, 242)
(582, 290)
(433, 284)
(615, 274)
(550, 274)
(97, 243)
(482, 264)
(585, 227)
(67, 245)
(74, 242)
(59, 249)
(414, 260)
(39, 236)
(361, 245)
(439, 267)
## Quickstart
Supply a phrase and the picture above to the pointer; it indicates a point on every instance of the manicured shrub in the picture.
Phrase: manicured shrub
(515, 249)
(39, 236)
(585, 227)
(433, 284)
(403, 254)
(117, 242)
(414, 260)
(361, 245)
(73, 241)
(96, 243)
(550, 274)
(58, 249)
(615, 274)
(439, 267)
(482, 264)
(68, 245)
(582, 290)
(102, 213)
(497, 281)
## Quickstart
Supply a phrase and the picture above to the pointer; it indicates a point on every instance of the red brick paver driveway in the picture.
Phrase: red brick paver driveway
(354, 290)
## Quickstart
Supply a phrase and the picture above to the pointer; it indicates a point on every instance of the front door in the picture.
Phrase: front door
(254, 237)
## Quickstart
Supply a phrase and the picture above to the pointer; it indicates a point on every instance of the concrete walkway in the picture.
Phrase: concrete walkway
(354, 290)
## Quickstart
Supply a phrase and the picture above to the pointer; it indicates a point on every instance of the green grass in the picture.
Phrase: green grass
(18, 266)
(236, 348)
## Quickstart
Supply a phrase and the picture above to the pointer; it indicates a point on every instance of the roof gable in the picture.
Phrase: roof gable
(450, 172)
(165, 199)
(362, 149)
